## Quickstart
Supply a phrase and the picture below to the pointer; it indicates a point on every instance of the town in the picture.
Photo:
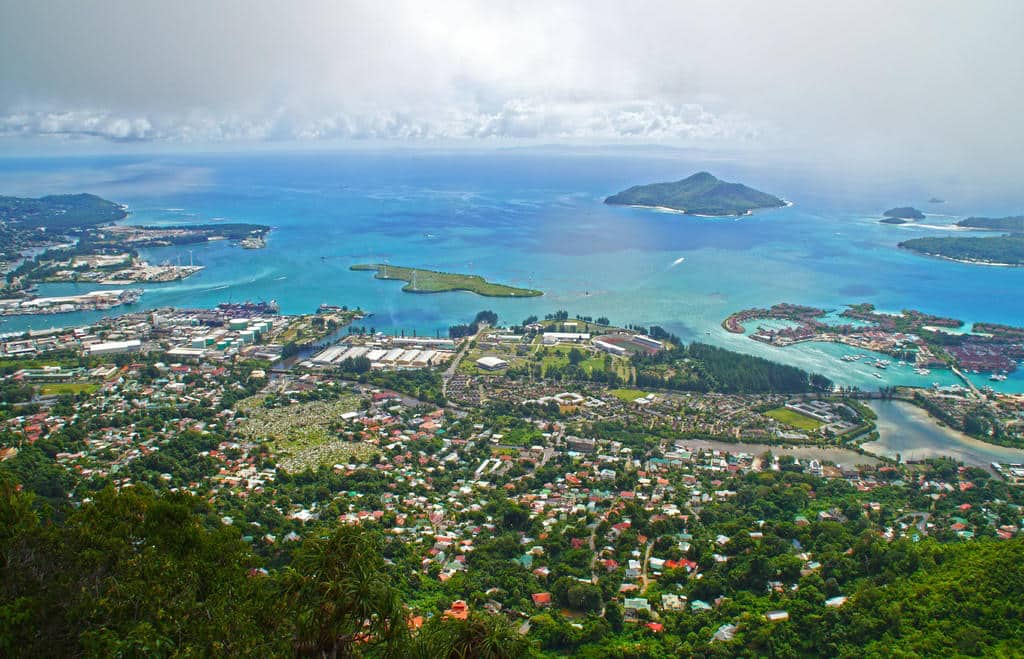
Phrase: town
(513, 479)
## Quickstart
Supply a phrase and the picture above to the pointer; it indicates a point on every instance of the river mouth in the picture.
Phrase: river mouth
(907, 431)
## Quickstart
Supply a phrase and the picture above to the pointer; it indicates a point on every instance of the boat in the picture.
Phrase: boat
(998, 377)
(877, 375)
(250, 307)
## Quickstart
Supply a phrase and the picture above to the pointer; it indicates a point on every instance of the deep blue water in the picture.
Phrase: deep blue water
(535, 219)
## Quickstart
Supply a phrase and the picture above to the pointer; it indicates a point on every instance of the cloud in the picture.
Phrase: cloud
(78, 124)
(516, 119)
(927, 83)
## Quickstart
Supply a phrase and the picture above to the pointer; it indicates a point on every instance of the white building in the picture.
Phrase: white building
(491, 363)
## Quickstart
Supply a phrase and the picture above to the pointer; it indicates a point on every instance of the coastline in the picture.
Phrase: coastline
(965, 261)
(676, 211)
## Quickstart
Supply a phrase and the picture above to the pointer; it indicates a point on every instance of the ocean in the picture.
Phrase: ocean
(535, 218)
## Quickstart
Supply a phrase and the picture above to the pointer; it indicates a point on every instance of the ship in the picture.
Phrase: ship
(254, 308)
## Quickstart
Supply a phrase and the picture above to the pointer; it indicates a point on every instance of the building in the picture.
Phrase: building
(552, 338)
(610, 348)
(115, 347)
(491, 363)
(648, 342)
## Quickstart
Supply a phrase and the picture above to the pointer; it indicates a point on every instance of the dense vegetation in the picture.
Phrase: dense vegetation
(60, 212)
(904, 213)
(142, 574)
(430, 281)
(700, 194)
(702, 367)
(1013, 224)
(1007, 249)
(134, 574)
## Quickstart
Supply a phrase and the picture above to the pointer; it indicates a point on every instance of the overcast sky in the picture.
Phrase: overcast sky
(913, 82)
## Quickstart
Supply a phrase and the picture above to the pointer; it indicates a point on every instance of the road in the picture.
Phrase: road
(922, 523)
(647, 558)
(463, 349)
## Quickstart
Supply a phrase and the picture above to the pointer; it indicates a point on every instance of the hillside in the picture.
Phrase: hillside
(999, 250)
(700, 194)
(60, 212)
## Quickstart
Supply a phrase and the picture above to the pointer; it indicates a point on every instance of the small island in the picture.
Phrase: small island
(901, 215)
(430, 281)
(1013, 224)
(700, 194)
(1005, 250)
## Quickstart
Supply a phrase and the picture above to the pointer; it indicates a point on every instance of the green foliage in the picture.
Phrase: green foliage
(1007, 249)
(703, 367)
(60, 212)
(700, 194)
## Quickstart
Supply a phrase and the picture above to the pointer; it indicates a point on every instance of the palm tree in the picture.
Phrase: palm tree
(340, 598)
(480, 636)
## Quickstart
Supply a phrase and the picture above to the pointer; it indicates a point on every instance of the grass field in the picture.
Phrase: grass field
(628, 395)
(795, 419)
(60, 388)
(429, 281)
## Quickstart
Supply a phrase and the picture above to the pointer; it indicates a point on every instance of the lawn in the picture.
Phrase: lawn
(60, 388)
(430, 281)
(793, 418)
(628, 395)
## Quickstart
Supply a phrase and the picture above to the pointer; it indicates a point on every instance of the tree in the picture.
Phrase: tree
(480, 636)
(339, 597)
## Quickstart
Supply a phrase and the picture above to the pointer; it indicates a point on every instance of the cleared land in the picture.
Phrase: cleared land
(795, 419)
(628, 395)
(61, 388)
(429, 281)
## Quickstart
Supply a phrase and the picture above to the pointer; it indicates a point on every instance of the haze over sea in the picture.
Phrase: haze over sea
(535, 218)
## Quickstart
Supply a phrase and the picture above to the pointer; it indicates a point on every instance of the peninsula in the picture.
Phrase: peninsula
(901, 215)
(700, 194)
(430, 281)
(76, 238)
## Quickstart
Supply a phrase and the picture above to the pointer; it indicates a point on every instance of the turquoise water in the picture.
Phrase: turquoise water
(908, 431)
(534, 220)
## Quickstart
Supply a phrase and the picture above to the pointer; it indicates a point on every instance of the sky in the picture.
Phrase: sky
(934, 85)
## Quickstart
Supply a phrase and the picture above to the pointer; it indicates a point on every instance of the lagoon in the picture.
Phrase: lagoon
(907, 430)
(534, 220)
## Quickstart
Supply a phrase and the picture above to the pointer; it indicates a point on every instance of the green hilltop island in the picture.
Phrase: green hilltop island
(700, 194)
(901, 215)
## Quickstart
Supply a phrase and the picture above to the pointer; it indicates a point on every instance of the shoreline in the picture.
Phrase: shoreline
(676, 211)
(943, 257)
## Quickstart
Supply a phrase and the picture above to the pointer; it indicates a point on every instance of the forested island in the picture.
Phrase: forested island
(1013, 224)
(430, 281)
(700, 194)
(901, 215)
(1005, 250)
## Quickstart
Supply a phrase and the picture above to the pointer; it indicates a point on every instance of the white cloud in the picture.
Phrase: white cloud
(516, 119)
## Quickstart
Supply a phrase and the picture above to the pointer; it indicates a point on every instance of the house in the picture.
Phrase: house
(459, 610)
(777, 616)
(541, 600)
(634, 605)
